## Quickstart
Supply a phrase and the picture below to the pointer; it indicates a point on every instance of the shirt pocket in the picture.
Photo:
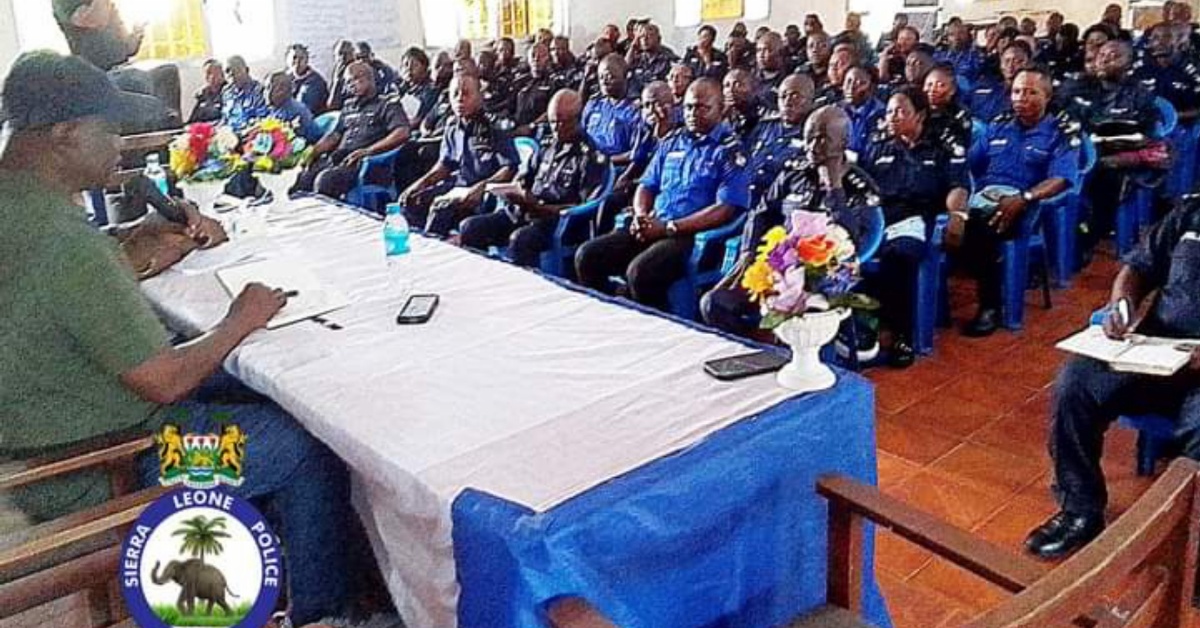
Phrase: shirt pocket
(1184, 274)
(672, 171)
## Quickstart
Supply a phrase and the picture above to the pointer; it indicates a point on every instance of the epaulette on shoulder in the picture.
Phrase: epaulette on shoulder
(1068, 124)
(675, 134)
(857, 179)
(1004, 118)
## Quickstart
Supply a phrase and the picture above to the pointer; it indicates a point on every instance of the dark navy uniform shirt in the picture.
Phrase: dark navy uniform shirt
(566, 78)
(533, 97)
(864, 122)
(690, 172)
(241, 107)
(1126, 107)
(611, 124)
(1010, 154)
(772, 145)
(364, 122)
(715, 70)
(989, 98)
(767, 95)
(386, 79)
(649, 67)
(311, 89)
(476, 150)
(798, 188)
(915, 181)
(950, 126)
(1169, 259)
(743, 122)
(426, 93)
(828, 95)
(498, 96)
(565, 173)
(207, 107)
(1178, 83)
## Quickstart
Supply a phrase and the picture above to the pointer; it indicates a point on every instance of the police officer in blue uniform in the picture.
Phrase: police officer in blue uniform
(862, 107)
(285, 108)
(566, 72)
(920, 173)
(498, 96)
(705, 59)
(474, 152)
(960, 53)
(696, 181)
(660, 117)
(991, 96)
(370, 124)
(1109, 102)
(648, 60)
(1089, 395)
(533, 92)
(819, 179)
(1029, 155)
(386, 79)
(819, 51)
(566, 172)
(243, 101)
(742, 111)
(947, 122)
(610, 121)
(839, 64)
(1169, 74)
(780, 138)
(770, 70)
(418, 83)
(308, 86)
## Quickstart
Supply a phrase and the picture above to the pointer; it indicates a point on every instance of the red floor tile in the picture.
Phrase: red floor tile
(951, 500)
(988, 468)
(918, 446)
(915, 607)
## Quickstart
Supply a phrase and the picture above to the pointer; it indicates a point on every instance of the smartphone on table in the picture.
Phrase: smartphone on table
(418, 309)
(745, 365)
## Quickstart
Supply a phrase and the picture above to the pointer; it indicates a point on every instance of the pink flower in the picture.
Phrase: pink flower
(790, 297)
(808, 224)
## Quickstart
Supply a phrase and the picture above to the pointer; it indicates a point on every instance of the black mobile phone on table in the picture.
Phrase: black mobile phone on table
(745, 365)
(419, 309)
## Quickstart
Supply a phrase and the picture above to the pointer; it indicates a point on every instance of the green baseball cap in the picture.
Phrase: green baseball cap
(44, 88)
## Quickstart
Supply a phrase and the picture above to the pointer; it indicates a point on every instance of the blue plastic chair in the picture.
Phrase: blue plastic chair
(375, 196)
(1061, 218)
(527, 148)
(1156, 433)
(703, 268)
(1137, 208)
(575, 226)
(1183, 171)
(327, 121)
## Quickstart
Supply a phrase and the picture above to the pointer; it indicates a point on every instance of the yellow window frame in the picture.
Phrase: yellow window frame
(184, 35)
(722, 9)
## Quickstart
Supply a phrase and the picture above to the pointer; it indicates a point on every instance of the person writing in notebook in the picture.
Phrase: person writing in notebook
(1089, 395)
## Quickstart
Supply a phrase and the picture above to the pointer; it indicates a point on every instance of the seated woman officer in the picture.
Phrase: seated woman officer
(919, 176)
(948, 122)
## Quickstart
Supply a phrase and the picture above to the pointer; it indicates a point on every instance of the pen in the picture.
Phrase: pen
(291, 294)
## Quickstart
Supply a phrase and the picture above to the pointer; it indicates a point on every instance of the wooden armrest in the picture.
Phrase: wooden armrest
(99, 458)
(101, 525)
(48, 585)
(121, 177)
(147, 142)
(1010, 571)
(576, 613)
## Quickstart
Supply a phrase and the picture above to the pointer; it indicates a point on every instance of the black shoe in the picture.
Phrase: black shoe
(1063, 533)
(986, 322)
(902, 354)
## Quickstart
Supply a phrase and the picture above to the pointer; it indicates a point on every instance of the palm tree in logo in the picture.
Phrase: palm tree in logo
(200, 536)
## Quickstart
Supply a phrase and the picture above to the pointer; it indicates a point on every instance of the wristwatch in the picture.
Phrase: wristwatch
(672, 229)
(1027, 196)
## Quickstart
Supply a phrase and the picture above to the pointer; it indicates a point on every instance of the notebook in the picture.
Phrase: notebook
(312, 297)
(1145, 355)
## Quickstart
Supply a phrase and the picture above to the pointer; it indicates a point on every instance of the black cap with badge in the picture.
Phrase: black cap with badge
(45, 88)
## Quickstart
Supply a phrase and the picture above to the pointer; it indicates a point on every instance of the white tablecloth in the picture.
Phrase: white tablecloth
(518, 387)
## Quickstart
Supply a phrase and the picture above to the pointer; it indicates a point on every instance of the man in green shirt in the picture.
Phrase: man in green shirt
(86, 361)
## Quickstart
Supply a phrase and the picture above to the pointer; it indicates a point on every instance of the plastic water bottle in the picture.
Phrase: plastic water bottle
(154, 171)
(398, 249)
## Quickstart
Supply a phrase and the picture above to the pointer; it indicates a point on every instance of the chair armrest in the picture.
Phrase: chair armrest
(939, 231)
(587, 209)
(382, 159)
(1003, 568)
(721, 233)
(103, 457)
(733, 250)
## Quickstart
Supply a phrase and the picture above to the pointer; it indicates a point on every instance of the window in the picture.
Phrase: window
(476, 24)
(522, 18)
(721, 9)
(689, 13)
(175, 29)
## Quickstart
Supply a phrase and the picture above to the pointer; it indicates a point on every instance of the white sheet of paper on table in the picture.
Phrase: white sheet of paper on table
(232, 253)
(312, 297)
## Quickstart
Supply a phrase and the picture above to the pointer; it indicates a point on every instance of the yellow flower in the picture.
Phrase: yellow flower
(264, 164)
(271, 124)
(772, 240)
(758, 280)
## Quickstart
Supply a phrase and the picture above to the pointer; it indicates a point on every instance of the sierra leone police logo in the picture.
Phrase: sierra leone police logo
(201, 557)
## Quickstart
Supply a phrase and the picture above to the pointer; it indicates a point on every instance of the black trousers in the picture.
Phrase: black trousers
(326, 177)
(981, 253)
(649, 269)
(730, 310)
(526, 240)
(895, 283)
(1088, 397)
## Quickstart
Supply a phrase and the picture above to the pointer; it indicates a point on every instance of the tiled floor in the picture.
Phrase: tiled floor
(962, 435)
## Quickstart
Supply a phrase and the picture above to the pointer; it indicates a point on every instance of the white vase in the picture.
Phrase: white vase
(204, 194)
(279, 184)
(806, 335)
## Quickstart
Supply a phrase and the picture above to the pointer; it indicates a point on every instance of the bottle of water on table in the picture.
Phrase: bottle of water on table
(157, 175)
(398, 250)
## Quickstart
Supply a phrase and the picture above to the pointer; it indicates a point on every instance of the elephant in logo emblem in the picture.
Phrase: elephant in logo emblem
(197, 580)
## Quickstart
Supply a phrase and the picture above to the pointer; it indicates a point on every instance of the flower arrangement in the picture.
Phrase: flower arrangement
(272, 146)
(813, 266)
(205, 152)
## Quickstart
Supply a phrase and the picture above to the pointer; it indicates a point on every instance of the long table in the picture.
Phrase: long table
(535, 441)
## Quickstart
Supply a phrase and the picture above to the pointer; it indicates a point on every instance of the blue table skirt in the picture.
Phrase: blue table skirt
(728, 533)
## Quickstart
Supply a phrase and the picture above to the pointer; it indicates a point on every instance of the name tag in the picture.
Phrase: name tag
(885, 160)
(999, 142)
(676, 154)
(1190, 236)
(929, 162)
